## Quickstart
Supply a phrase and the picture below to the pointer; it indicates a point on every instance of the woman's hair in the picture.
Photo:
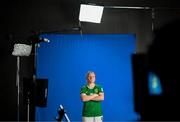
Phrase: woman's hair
(89, 72)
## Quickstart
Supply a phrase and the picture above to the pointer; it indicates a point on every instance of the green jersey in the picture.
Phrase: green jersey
(91, 108)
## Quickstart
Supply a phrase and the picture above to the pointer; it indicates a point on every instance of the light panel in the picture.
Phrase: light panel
(91, 13)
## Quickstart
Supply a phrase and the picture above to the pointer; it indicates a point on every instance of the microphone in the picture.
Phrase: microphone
(44, 40)
(36, 39)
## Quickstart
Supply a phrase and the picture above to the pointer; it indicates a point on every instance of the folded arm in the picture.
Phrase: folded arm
(85, 97)
(100, 97)
(95, 97)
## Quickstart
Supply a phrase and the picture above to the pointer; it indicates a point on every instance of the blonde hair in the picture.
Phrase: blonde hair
(89, 72)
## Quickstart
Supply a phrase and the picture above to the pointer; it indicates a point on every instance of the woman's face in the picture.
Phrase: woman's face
(91, 78)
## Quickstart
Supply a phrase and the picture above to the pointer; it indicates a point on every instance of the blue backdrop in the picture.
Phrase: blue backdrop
(66, 59)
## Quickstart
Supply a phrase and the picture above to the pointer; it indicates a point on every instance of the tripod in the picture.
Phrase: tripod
(61, 114)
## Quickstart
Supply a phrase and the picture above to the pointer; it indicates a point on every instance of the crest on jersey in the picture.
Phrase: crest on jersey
(96, 90)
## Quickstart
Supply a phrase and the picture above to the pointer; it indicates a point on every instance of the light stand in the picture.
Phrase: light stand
(28, 104)
(20, 50)
(18, 85)
(35, 40)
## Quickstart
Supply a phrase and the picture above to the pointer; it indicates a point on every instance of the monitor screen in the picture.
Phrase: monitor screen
(154, 84)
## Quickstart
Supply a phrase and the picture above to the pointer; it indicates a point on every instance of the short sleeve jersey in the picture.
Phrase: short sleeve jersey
(91, 108)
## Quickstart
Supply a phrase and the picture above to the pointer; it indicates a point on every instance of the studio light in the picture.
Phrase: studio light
(18, 51)
(90, 13)
(22, 50)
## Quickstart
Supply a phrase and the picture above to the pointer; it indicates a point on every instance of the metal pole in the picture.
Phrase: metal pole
(126, 7)
(153, 18)
(80, 28)
(28, 109)
(67, 118)
(18, 85)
